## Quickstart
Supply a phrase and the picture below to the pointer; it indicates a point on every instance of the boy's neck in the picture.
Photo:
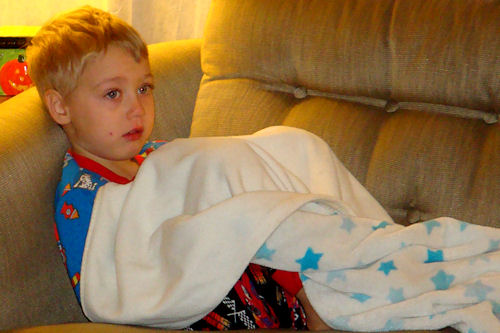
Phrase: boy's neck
(124, 168)
(127, 169)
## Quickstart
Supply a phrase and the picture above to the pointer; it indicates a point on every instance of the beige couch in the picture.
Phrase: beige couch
(407, 93)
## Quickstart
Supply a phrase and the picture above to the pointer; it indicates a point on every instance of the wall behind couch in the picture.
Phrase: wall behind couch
(156, 20)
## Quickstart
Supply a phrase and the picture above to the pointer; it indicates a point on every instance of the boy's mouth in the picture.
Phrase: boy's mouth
(134, 134)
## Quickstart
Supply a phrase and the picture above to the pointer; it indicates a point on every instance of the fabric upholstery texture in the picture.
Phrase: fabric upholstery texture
(32, 276)
(391, 50)
(176, 67)
(408, 102)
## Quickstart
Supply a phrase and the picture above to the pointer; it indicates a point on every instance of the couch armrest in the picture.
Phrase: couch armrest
(177, 70)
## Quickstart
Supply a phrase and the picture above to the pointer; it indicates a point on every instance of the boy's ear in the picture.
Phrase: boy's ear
(57, 108)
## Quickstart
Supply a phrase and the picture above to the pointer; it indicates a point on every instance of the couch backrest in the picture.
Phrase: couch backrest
(405, 92)
(34, 287)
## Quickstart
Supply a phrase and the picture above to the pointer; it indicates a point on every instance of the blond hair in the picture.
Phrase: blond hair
(58, 53)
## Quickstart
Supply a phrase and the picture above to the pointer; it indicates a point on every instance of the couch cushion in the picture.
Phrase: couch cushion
(176, 67)
(34, 287)
(390, 50)
(407, 101)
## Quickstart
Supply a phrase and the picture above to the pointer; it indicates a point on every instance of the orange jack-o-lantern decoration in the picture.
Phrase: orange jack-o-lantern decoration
(14, 77)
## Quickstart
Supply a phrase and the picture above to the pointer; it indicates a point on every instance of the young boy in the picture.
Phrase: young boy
(92, 72)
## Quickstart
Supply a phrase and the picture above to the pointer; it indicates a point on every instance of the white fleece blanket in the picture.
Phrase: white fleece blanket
(164, 250)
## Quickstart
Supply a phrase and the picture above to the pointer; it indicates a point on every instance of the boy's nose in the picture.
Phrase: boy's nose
(136, 108)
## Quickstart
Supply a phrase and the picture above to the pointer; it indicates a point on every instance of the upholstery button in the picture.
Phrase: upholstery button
(490, 118)
(391, 106)
(300, 92)
(413, 216)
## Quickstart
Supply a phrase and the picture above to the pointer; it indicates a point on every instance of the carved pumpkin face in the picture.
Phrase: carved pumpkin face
(14, 77)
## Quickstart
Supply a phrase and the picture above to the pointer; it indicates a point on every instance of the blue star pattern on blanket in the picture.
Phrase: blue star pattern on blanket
(387, 267)
(347, 224)
(309, 260)
(332, 275)
(360, 297)
(441, 278)
(431, 225)
(265, 253)
(478, 290)
(434, 256)
(496, 309)
(494, 245)
(381, 225)
(393, 325)
(341, 322)
(473, 260)
(396, 295)
(463, 225)
(442, 281)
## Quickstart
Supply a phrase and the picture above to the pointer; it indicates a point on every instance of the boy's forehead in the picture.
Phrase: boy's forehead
(115, 63)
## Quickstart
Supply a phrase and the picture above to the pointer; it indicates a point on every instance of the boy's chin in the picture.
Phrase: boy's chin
(132, 149)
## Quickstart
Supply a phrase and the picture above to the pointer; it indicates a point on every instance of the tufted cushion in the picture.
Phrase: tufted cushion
(405, 92)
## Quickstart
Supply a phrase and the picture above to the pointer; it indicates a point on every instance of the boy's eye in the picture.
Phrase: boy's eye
(145, 89)
(113, 94)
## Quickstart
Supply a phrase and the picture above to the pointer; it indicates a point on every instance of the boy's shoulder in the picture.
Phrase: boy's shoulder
(152, 146)
(76, 177)
(147, 149)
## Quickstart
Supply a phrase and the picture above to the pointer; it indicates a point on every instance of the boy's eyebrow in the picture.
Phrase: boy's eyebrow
(120, 78)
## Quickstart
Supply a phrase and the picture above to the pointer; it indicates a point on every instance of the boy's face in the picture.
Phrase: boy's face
(111, 110)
